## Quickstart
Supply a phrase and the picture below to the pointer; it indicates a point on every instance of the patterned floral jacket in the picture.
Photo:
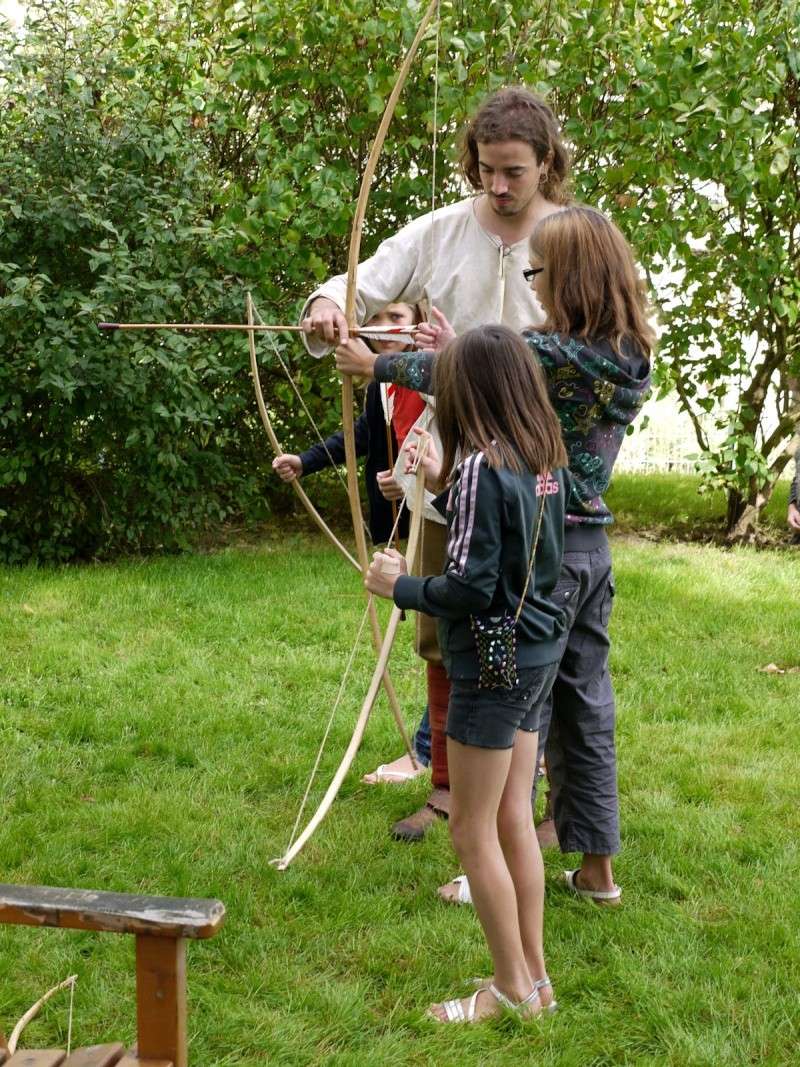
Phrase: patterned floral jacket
(596, 393)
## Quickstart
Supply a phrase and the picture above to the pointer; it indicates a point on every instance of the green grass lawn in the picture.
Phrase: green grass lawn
(664, 505)
(670, 505)
(159, 722)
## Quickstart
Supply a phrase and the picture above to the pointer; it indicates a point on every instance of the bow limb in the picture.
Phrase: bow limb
(352, 270)
(347, 381)
(315, 515)
(369, 700)
(33, 1011)
(372, 162)
(276, 446)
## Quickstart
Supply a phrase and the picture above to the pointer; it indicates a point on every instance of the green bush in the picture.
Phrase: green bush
(159, 159)
(113, 442)
(156, 163)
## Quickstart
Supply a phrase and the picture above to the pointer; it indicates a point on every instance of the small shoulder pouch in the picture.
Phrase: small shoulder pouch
(496, 635)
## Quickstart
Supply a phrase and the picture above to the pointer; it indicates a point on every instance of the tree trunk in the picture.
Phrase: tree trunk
(735, 508)
(744, 511)
(745, 526)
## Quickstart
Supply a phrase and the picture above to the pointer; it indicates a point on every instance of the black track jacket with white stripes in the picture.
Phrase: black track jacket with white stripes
(491, 518)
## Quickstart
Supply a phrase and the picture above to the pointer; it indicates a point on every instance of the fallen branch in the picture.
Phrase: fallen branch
(33, 1011)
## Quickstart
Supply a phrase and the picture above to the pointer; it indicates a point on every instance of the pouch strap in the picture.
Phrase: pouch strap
(534, 543)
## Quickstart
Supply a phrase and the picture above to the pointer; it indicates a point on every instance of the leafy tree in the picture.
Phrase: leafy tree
(158, 159)
(684, 125)
(700, 161)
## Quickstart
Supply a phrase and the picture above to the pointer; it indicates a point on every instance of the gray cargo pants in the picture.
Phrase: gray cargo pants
(577, 724)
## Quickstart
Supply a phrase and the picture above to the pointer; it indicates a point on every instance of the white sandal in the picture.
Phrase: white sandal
(599, 896)
(539, 985)
(464, 896)
(545, 983)
(454, 1009)
(384, 773)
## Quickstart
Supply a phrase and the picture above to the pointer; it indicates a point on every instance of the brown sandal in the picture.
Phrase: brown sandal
(414, 827)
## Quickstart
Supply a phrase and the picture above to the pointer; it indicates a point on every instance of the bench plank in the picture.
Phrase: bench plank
(132, 1060)
(122, 913)
(38, 1057)
(96, 1056)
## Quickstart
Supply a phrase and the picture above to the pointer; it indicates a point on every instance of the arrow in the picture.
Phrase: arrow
(371, 333)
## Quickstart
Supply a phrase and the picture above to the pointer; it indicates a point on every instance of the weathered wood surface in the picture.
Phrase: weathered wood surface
(122, 913)
(93, 1056)
(96, 1056)
(132, 1060)
(161, 999)
(40, 1057)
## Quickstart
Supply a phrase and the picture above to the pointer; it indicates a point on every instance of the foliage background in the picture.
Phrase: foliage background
(159, 159)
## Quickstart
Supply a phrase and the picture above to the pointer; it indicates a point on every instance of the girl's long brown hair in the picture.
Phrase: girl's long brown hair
(594, 286)
(491, 395)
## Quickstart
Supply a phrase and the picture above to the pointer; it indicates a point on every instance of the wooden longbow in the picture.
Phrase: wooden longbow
(369, 700)
(383, 645)
(276, 445)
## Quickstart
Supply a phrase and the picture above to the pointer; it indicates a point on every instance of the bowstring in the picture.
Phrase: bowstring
(304, 406)
(320, 751)
(435, 145)
(329, 725)
(420, 453)
(71, 1013)
(434, 248)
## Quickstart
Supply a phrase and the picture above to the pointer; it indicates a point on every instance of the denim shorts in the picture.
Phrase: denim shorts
(490, 718)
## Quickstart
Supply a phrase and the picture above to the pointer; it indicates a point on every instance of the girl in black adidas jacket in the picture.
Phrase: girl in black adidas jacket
(499, 631)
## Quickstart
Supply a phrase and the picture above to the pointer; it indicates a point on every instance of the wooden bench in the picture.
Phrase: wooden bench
(161, 926)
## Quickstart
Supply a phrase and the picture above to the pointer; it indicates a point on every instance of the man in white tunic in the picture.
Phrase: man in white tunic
(467, 259)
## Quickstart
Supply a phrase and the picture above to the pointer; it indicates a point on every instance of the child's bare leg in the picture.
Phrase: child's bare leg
(477, 781)
(523, 857)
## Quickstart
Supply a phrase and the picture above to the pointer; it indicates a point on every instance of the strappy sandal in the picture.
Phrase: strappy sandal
(463, 896)
(454, 1009)
(385, 774)
(542, 983)
(545, 983)
(599, 896)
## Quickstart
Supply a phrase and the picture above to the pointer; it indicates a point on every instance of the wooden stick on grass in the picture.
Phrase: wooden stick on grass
(33, 1011)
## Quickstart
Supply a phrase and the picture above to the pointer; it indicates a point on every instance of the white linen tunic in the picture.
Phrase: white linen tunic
(448, 260)
(444, 259)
